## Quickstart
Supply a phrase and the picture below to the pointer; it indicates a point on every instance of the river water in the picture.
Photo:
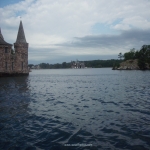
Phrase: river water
(76, 109)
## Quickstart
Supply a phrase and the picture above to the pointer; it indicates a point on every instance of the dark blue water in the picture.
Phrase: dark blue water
(76, 109)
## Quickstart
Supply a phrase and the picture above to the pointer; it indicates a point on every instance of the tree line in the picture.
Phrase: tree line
(102, 63)
(88, 64)
(52, 66)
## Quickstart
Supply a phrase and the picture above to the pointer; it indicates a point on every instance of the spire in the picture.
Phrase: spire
(21, 36)
(1, 36)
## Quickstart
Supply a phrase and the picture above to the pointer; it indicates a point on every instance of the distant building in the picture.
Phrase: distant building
(35, 67)
(77, 64)
(14, 62)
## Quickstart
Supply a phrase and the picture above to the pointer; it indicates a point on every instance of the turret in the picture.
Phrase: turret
(21, 51)
(5, 54)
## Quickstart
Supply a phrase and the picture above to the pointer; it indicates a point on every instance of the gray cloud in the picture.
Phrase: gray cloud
(131, 38)
(91, 47)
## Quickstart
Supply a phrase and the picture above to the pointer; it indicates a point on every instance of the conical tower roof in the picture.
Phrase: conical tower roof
(1, 36)
(21, 36)
(2, 42)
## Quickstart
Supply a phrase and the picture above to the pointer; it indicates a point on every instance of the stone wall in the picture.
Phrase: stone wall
(14, 62)
(21, 54)
(6, 59)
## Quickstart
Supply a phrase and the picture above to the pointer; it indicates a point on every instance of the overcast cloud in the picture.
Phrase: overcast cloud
(63, 30)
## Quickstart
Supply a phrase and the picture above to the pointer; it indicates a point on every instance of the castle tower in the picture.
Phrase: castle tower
(5, 56)
(21, 52)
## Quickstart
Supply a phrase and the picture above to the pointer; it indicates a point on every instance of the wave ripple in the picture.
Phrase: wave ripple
(51, 109)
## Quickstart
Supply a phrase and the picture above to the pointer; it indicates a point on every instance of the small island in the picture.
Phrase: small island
(134, 59)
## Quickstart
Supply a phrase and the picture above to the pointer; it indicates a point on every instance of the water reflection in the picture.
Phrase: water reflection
(14, 83)
(14, 101)
(13, 94)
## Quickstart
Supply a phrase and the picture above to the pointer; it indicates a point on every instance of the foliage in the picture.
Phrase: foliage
(120, 56)
(102, 63)
(143, 56)
(54, 66)
(130, 55)
(30, 65)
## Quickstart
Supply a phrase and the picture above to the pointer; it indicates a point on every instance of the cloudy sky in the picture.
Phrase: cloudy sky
(65, 30)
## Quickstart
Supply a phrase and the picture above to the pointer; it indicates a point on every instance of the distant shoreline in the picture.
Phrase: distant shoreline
(88, 64)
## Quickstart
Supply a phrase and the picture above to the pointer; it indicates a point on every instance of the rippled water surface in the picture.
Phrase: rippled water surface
(76, 109)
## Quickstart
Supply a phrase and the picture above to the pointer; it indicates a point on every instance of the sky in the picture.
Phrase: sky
(63, 30)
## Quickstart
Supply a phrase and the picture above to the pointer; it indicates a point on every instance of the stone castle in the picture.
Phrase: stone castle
(14, 62)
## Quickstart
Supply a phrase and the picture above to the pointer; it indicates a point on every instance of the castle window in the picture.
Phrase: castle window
(12, 65)
(22, 65)
(6, 49)
(6, 65)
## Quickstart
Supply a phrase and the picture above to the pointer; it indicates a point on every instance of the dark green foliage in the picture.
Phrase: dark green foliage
(142, 64)
(44, 65)
(130, 55)
(64, 65)
(55, 66)
(102, 63)
(143, 56)
(30, 65)
(120, 56)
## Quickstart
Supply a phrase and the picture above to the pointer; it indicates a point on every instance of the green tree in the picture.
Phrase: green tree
(144, 57)
(64, 65)
(120, 56)
(130, 54)
(30, 65)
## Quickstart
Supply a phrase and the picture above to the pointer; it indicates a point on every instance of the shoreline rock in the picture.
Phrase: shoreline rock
(129, 65)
